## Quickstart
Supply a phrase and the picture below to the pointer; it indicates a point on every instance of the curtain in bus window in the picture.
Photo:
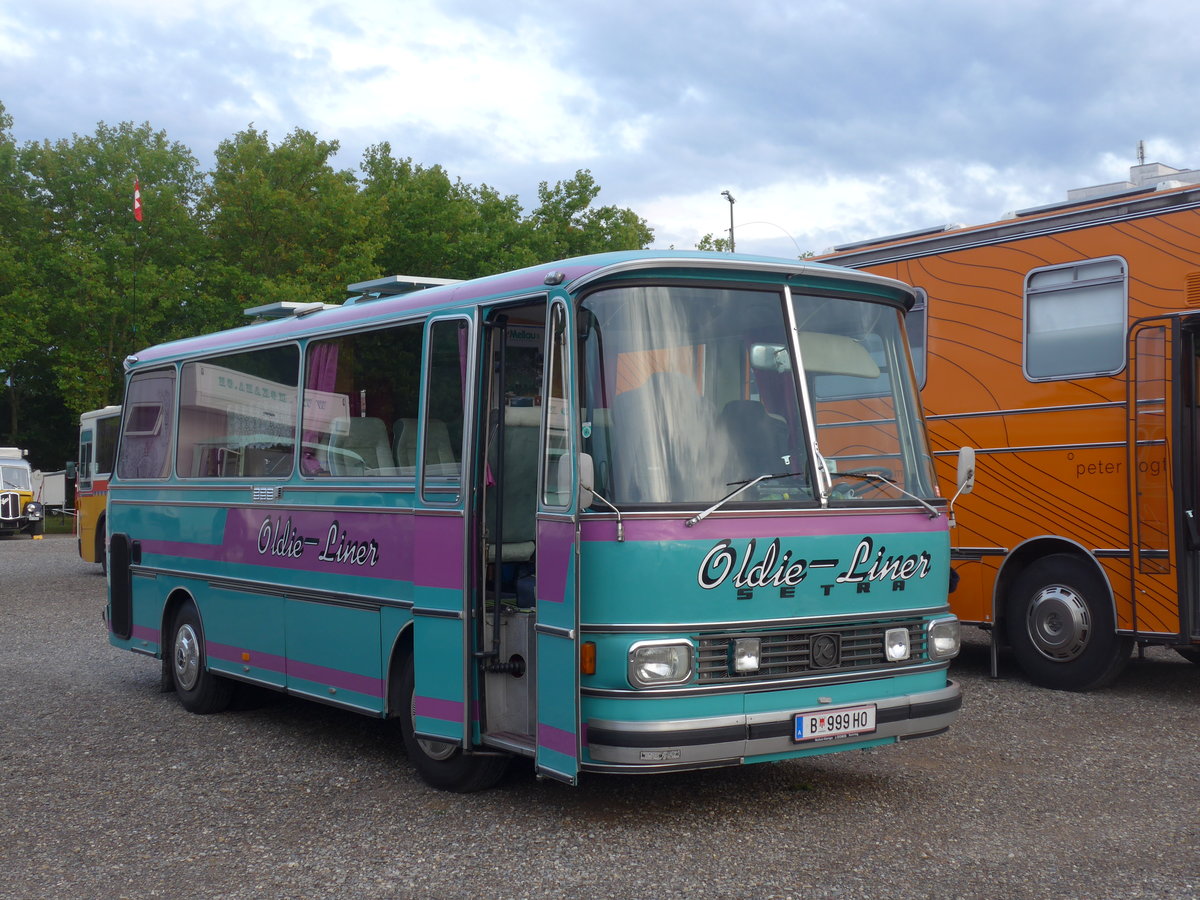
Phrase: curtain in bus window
(148, 426)
(319, 380)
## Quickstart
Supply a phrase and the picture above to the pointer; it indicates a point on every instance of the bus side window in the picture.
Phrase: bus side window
(360, 396)
(444, 404)
(148, 425)
(237, 415)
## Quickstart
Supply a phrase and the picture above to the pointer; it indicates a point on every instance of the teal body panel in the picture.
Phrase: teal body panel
(739, 570)
(288, 597)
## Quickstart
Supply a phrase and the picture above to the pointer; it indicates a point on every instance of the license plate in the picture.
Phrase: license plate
(835, 721)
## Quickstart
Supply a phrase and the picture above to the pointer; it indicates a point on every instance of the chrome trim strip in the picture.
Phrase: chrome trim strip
(554, 631)
(750, 624)
(1037, 448)
(974, 554)
(983, 414)
(739, 687)
(246, 586)
(259, 507)
(248, 483)
(430, 613)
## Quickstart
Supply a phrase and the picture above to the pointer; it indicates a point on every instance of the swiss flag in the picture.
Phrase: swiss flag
(137, 200)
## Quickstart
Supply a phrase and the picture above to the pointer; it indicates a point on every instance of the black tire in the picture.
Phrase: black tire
(441, 765)
(102, 547)
(1060, 625)
(199, 690)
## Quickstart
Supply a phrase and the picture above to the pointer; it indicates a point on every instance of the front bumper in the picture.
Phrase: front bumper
(730, 740)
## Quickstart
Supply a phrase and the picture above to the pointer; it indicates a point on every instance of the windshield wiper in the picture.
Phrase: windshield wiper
(875, 476)
(742, 486)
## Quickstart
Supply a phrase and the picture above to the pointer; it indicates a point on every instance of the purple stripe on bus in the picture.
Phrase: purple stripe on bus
(433, 708)
(556, 739)
(259, 660)
(674, 529)
(556, 541)
(346, 681)
(145, 633)
(371, 545)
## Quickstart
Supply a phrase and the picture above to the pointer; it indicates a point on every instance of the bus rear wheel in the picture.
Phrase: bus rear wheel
(198, 689)
(441, 764)
(1061, 628)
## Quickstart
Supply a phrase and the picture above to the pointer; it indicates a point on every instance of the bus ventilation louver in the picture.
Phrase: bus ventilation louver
(1191, 292)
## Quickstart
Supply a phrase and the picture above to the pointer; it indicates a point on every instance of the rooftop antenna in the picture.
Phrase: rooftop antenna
(1141, 153)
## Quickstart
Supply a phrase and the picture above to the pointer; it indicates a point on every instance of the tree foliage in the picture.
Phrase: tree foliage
(83, 284)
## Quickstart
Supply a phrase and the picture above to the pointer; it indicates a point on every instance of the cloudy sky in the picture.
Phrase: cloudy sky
(828, 121)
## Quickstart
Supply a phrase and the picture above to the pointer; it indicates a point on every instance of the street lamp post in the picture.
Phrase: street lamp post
(728, 196)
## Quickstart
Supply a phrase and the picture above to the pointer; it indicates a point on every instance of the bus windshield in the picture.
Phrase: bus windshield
(15, 478)
(692, 391)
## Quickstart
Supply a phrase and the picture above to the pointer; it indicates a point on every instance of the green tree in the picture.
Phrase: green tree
(23, 322)
(565, 224)
(283, 224)
(96, 284)
(708, 242)
(432, 225)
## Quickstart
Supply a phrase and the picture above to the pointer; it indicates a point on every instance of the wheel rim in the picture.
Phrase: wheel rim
(187, 657)
(435, 750)
(1059, 623)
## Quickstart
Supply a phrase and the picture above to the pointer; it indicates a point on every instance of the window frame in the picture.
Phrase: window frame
(1120, 356)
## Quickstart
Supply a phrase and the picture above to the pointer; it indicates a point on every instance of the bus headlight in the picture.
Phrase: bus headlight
(944, 638)
(654, 663)
(33, 511)
(895, 644)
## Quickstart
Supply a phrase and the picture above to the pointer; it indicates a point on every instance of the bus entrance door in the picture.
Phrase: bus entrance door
(1162, 557)
(557, 628)
(1189, 448)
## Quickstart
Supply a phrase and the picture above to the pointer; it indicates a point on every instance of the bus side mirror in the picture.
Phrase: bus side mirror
(966, 477)
(587, 480)
(966, 471)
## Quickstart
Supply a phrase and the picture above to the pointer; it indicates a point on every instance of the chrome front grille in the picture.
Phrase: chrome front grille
(788, 653)
(10, 506)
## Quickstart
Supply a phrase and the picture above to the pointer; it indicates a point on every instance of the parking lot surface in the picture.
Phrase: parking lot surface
(108, 788)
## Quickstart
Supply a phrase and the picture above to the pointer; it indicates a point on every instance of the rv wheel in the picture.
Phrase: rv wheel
(1061, 627)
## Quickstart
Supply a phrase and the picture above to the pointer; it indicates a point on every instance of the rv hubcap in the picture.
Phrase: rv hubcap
(1059, 623)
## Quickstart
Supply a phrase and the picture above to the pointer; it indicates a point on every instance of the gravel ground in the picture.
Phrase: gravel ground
(109, 789)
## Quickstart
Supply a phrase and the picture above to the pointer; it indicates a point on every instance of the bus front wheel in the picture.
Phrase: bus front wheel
(1061, 628)
(441, 764)
(198, 689)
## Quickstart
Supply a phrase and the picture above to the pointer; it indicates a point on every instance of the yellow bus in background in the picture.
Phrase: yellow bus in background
(98, 431)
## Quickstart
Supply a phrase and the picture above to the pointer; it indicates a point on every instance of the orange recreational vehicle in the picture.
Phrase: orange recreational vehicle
(1063, 343)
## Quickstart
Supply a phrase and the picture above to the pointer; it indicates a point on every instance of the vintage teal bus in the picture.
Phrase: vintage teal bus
(633, 512)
